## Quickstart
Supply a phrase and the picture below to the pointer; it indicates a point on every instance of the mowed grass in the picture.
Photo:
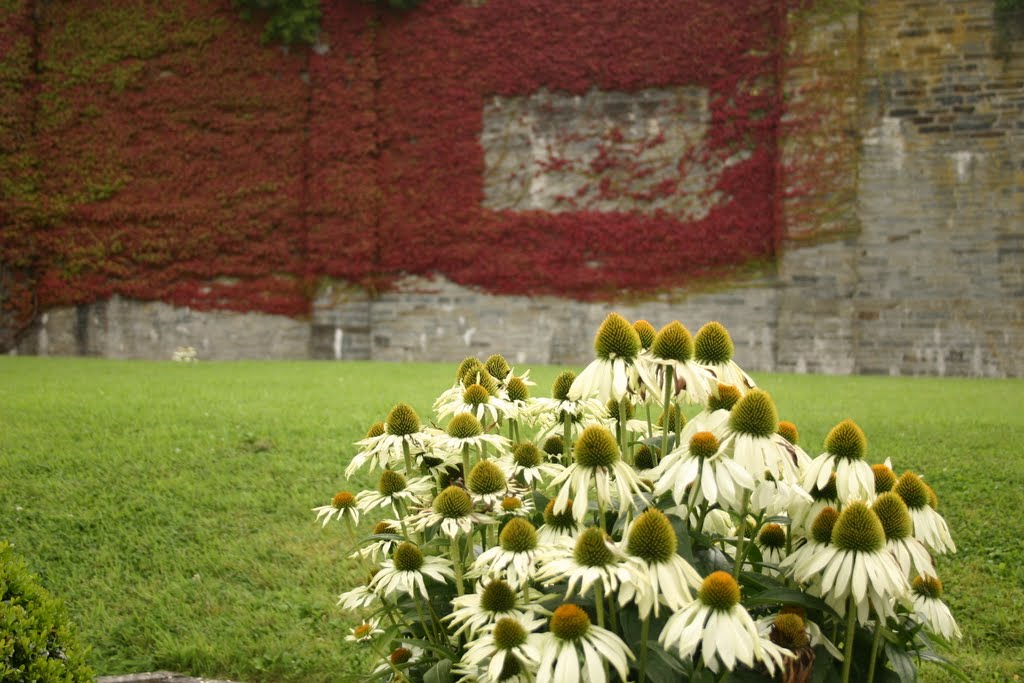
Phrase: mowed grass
(169, 505)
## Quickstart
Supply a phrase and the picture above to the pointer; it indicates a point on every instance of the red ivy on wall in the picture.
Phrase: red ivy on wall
(182, 161)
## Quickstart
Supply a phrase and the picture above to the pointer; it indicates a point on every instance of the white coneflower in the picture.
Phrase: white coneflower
(514, 556)
(713, 349)
(492, 600)
(929, 526)
(718, 624)
(592, 559)
(722, 481)
(365, 632)
(503, 653)
(751, 436)
(517, 400)
(487, 483)
(596, 462)
(397, 662)
(516, 505)
(403, 435)
(358, 598)
(381, 546)
(788, 431)
(395, 492)
(558, 528)
(771, 541)
(773, 497)
(671, 356)
(452, 514)
(804, 513)
(550, 413)
(404, 572)
(576, 650)
(931, 611)
(911, 554)
(856, 571)
(819, 537)
(465, 430)
(612, 374)
(527, 464)
(476, 400)
(343, 506)
(651, 544)
(885, 478)
(790, 629)
(845, 447)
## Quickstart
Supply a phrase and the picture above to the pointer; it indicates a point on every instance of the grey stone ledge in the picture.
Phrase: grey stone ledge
(156, 677)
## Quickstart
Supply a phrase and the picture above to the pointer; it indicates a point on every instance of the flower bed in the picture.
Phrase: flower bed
(598, 534)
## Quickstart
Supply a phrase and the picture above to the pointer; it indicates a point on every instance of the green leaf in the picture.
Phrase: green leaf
(789, 596)
(902, 664)
(431, 647)
(439, 673)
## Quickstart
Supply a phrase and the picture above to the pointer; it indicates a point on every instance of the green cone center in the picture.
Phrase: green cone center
(616, 338)
(596, 447)
(652, 537)
(518, 536)
(402, 420)
(719, 591)
(673, 342)
(713, 345)
(453, 503)
(755, 414)
(858, 529)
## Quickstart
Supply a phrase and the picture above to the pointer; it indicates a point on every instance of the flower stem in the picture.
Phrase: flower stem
(645, 628)
(627, 453)
(650, 426)
(599, 603)
(741, 536)
(875, 643)
(851, 629)
(408, 458)
(566, 438)
(465, 462)
(456, 553)
(666, 417)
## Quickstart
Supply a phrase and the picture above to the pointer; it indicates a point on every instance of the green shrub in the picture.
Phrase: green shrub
(37, 642)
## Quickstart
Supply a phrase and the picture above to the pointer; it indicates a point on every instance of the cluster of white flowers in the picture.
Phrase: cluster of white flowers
(184, 354)
(563, 538)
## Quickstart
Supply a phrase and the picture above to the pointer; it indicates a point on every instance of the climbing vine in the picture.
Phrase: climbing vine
(168, 156)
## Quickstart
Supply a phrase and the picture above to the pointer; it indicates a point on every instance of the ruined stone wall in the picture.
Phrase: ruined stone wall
(940, 253)
(901, 252)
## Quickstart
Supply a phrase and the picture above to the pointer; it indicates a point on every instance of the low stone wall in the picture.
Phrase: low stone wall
(123, 328)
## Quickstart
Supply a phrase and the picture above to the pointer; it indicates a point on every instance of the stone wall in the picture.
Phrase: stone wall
(122, 328)
(901, 252)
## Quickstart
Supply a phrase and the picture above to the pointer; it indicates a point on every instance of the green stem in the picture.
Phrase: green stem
(599, 603)
(408, 458)
(875, 643)
(566, 438)
(627, 452)
(666, 417)
(456, 553)
(692, 500)
(645, 628)
(741, 536)
(650, 425)
(428, 626)
(387, 658)
(465, 462)
(851, 629)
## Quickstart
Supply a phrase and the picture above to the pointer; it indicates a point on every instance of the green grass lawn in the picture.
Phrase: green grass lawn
(169, 504)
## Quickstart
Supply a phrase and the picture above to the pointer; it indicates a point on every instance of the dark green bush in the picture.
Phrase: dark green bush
(37, 642)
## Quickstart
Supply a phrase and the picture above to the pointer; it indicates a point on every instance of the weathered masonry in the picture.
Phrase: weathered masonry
(844, 191)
